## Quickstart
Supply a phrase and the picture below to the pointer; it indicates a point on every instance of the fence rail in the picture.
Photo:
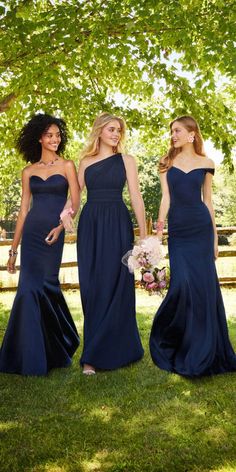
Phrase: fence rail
(64, 265)
(226, 282)
(71, 239)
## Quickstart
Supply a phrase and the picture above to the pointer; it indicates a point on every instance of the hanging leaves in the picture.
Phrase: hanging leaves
(71, 58)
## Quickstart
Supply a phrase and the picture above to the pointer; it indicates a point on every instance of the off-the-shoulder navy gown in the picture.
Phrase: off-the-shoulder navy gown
(41, 334)
(189, 335)
(105, 234)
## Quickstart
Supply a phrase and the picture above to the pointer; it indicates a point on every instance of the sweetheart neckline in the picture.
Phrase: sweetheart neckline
(45, 180)
(189, 172)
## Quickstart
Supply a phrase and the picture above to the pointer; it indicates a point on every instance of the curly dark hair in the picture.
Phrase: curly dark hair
(28, 141)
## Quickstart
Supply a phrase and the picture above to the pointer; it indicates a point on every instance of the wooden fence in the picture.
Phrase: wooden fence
(71, 238)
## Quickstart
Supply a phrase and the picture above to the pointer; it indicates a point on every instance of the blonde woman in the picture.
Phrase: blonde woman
(105, 234)
(189, 334)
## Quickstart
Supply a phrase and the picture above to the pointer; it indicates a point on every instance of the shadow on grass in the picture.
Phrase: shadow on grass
(136, 419)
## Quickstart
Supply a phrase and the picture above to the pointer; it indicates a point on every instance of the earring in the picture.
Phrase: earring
(190, 139)
(114, 149)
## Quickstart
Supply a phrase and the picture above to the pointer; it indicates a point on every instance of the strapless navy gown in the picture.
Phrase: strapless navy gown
(105, 234)
(41, 334)
(189, 335)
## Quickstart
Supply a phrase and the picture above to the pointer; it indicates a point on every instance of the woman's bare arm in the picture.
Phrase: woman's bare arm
(165, 203)
(135, 194)
(24, 209)
(207, 198)
(73, 203)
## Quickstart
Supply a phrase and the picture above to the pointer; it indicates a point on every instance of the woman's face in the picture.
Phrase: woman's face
(51, 139)
(180, 135)
(111, 133)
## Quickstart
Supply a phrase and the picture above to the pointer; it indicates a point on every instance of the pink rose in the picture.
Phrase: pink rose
(152, 286)
(161, 274)
(162, 284)
(148, 277)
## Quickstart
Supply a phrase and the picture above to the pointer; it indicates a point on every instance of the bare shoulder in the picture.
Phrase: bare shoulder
(207, 162)
(85, 162)
(128, 157)
(129, 160)
(210, 163)
(28, 170)
(69, 164)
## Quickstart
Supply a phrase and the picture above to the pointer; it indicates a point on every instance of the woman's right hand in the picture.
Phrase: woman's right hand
(68, 223)
(11, 268)
(159, 235)
(54, 234)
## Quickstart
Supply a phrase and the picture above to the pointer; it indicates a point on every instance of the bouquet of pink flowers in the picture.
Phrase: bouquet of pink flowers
(146, 256)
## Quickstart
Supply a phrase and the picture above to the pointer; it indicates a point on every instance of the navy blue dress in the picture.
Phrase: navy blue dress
(105, 234)
(41, 334)
(189, 335)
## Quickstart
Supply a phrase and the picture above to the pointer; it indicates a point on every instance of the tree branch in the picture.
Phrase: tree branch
(7, 101)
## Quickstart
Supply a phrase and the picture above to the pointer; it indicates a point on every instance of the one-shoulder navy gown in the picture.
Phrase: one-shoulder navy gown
(105, 234)
(189, 335)
(41, 334)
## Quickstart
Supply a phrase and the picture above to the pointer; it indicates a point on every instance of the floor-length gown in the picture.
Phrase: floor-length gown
(105, 234)
(189, 335)
(41, 334)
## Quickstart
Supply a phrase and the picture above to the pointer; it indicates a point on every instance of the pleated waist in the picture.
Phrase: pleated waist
(104, 195)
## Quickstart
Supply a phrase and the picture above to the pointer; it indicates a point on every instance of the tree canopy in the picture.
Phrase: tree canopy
(148, 61)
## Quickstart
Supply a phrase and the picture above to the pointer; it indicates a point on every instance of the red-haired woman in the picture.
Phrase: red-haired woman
(189, 334)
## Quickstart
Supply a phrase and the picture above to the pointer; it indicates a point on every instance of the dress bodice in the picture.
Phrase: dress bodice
(55, 184)
(105, 179)
(50, 193)
(185, 187)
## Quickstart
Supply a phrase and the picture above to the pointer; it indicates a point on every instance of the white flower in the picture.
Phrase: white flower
(152, 247)
(133, 263)
(136, 251)
(147, 255)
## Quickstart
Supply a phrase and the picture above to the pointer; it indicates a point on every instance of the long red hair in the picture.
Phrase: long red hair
(190, 124)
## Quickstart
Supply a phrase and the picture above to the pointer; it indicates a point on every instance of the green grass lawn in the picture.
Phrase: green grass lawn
(136, 419)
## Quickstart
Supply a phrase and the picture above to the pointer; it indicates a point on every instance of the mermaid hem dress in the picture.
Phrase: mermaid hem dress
(105, 234)
(41, 334)
(189, 334)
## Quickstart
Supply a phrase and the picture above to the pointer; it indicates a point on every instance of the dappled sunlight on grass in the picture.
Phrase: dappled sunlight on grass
(7, 425)
(135, 419)
(101, 461)
(225, 468)
(104, 413)
(216, 434)
(51, 468)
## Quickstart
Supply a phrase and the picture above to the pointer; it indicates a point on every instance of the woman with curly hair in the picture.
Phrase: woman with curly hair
(41, 334)
(189, 334)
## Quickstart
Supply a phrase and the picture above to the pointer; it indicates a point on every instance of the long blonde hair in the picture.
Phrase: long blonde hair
(190, 124)
(92, 146)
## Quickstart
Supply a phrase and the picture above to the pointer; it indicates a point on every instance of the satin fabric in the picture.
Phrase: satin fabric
(41, 334)
(189, 335)
(105, 234)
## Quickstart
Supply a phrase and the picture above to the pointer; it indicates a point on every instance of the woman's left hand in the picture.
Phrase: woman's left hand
(216, 250)
(54, 234)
